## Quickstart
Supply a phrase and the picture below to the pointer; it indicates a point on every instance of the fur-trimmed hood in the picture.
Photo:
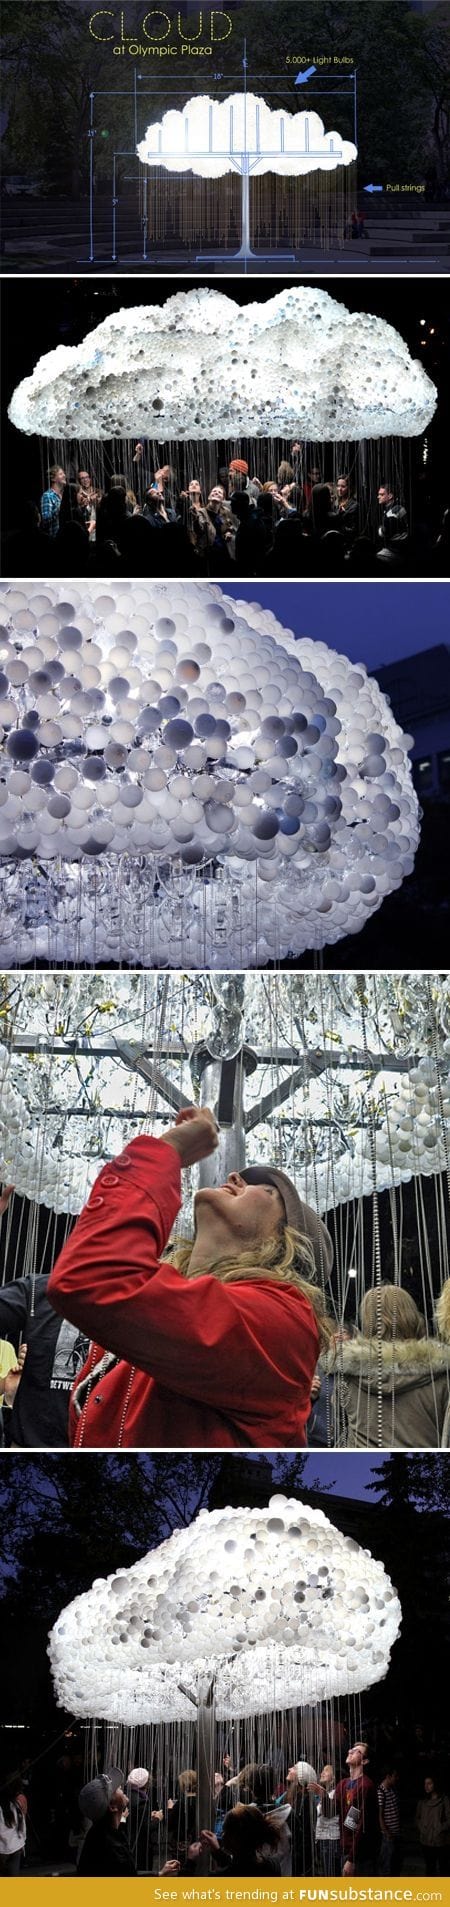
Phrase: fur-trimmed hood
(400, 1361)
(443, 1313)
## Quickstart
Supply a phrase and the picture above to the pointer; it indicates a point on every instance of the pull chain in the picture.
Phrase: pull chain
(361, 990)
(96, 1378)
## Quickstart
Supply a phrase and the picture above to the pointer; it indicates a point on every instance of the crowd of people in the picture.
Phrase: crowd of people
(343, 1820)
(145, 523)
(283, 1371)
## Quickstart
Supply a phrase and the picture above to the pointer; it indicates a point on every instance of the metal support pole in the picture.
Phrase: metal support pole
(365, 476)
(245, 255)
(222, 1084)
(245, 250)
(165, 1087)
(145, 220)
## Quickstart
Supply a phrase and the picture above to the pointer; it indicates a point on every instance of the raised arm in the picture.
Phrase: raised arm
(198, 1337)
(114, 1250)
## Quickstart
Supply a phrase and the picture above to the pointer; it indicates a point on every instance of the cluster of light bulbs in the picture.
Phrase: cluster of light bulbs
(410, 1136)
(168, 725)
(202, 367)
(55, 1158)
(206, 137)
(276, 1602)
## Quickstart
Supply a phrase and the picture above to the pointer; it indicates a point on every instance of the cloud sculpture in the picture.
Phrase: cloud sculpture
(167, 723)
(411, 1139)
(209, 136)
(204, 367)
(277, 1602)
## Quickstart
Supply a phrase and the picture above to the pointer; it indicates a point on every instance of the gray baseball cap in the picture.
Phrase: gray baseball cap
(94, 1799)
(301, 1217)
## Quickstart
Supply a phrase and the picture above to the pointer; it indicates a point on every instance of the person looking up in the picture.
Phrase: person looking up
(216, 1347)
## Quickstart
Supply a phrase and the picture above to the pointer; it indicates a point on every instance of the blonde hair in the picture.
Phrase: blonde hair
(388, 1312)
(275, 1258)
(187, 1781)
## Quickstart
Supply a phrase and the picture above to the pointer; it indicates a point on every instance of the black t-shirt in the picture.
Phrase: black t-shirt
(56, 1353)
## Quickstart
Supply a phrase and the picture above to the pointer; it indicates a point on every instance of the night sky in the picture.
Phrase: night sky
(344, 1472)
(348, 1471)
(357, 619)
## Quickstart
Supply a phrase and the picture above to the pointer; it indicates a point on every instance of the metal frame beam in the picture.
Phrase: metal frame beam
(313, 1062)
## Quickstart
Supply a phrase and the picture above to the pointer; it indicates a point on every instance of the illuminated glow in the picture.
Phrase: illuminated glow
(203, 367)
(166, 722)
(277, 1602)
(209, 136)
(51, 1158)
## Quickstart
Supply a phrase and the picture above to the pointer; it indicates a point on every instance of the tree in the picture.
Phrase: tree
(52, 65)
(90, 1515)
(434, 64)
(403, 62)
(65, 1520)
(414, 1481)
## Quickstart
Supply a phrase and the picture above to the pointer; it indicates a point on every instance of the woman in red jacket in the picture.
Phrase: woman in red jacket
(215, 1348)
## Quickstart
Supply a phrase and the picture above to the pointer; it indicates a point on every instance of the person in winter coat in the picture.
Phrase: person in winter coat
(216, 1347)
(144, 1820)
(301, 1822)
(13, 1828)
(105, 1851)
(391, 1366)
(442, 1316)
(433, 1827)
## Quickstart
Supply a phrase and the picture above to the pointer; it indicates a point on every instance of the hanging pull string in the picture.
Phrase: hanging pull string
(160, 1029)
(442, 1225)
(330, 1114)
(430, 1293)
(95, 1349)
(437, 1056)
(40, 1149)
(6, 1224)
(361, 990)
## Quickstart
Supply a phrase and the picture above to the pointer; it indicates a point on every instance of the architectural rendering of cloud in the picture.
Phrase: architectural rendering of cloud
(207, 136)
(203, 367)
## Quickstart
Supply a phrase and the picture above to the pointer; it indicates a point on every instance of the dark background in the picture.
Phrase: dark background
(401, 49)
(65, 1522)
(65, 309)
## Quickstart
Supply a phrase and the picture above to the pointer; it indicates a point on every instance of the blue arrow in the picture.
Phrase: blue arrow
(302, 77)
(373, 188)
